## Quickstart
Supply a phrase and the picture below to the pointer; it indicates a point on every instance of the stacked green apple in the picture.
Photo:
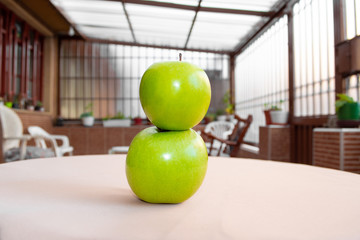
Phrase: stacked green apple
(167, 163)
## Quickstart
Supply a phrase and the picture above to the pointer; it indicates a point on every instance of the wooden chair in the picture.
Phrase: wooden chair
(235, 140)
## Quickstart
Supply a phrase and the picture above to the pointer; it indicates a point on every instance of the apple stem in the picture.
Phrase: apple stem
(180, 55)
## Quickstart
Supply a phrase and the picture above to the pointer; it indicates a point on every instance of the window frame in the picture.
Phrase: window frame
(12, 89)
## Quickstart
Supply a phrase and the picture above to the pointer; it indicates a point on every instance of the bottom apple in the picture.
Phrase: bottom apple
(166, 166)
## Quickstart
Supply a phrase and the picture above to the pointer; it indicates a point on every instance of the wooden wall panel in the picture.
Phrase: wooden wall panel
(29, 118)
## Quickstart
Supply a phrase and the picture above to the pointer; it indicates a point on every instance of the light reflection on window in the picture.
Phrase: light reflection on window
(314, 58)
(261, 75)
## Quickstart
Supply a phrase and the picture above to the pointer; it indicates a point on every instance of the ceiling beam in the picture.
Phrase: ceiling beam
(129, 22)
(194, 8)
(97, 40)
(241, 46)
(192, 24)
(72, 24)
(29, 16)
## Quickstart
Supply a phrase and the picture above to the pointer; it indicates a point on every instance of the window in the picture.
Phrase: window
(108, 75)
(314, 62)
(261, 76)
(352, 18)
(352, 29)
(20, 59)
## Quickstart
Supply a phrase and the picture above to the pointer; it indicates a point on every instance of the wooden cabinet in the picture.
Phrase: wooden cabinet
(337, 148)
(274, 143)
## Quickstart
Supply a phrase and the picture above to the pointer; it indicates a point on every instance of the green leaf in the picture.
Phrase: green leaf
(339, 104)
(344, 97)
(86, 114)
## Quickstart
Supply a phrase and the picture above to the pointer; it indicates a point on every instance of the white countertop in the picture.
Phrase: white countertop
(355, 130)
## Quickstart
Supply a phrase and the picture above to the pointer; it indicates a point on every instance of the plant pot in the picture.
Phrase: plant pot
(39, 108)
(267, 117)
(117, 123)
(222, 117)
(16, 106)
(88, 121)
(279, 117)
(231, 117)
(349, 111)
(137, 121)
(59, 122)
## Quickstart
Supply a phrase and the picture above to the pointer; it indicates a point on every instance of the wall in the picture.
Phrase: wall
(98, 140)
(50, 75)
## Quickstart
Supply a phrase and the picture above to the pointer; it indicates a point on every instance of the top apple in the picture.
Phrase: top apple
(175, 95)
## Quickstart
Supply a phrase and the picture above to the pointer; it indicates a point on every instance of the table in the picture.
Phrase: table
(88, 197)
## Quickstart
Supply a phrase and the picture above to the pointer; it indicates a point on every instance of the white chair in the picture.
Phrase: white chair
(14, 142)
(42, 135)
(232, 144)
(220, 129)
(119, 149)
(12, 131)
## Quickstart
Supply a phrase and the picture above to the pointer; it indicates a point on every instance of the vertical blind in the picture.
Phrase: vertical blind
(108, 75)
(314, 58)
(261, 76)
(352, 29)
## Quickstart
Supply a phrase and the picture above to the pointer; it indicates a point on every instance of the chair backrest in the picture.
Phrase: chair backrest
(220, 129)
(239, 132)
(11, 127)
(38, 131)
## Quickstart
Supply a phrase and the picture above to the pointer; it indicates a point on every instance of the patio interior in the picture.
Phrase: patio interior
(297, 54)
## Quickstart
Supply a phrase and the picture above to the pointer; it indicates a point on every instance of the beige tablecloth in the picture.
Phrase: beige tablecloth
(88, 197)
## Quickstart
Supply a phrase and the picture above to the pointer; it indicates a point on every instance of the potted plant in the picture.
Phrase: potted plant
(278, 116)
(87, 117)
(267, 109)
(209, 117)
(29, 105)
(347, 108)
(119, 120)
(229, 106)
(8, 104)
(39, 106)
(347, 111)
(16, 104)
(137, 120)
(220, 115)
(59, 122)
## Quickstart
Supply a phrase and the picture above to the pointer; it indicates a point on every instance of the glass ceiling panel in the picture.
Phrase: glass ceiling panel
(221, 27)
(153, 25)
(107, 33)
(99, 19)
(182, 2)
(253, 5)
(90, 5)
(204, 44)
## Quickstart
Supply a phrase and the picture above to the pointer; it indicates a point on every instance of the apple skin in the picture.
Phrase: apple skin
(166, 166)
(175, 95)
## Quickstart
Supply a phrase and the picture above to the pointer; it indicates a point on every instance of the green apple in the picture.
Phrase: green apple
(166, 166)
(175, 95)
